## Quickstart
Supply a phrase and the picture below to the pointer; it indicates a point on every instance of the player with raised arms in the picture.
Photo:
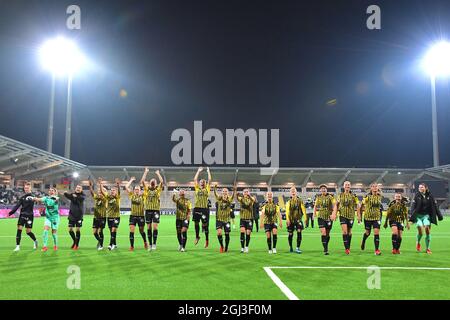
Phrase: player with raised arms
(137, 212)
(112, 211)
(75, 214)
(201, 209)
(152, 205)
(99, 221)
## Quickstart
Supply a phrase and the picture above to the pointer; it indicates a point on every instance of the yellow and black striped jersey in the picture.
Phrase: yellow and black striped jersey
(270, 211)
(201, 196)
(295, 209)
(183, 207)
(372, 207)
(397, 212)
(137, 204)
(324, 205)
(152, 197)
(348, 204)
(99, 206)
(246, 203)
(223, 207)
(113, 208)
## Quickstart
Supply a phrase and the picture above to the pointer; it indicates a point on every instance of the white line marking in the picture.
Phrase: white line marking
(287, 292)
(291, 296)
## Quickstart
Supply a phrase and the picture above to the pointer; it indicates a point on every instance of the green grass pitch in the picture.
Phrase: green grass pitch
(206, 274)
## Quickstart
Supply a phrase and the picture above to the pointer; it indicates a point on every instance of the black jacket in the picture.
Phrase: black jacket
(26, 203)
(76, 204)
(417, 208)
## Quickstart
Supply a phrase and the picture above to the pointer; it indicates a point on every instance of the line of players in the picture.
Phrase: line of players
(145, 209)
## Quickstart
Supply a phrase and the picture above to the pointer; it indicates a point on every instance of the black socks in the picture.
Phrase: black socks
(18, 236)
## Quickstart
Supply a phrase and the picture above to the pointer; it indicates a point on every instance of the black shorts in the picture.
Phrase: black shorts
(226, 226)
(201, 214)
(113, 222)
(399, 225)
(268, 227)
(182, 223)
(295, 225)
(135, 220)
(75, 223)
(99, 223)
(369, 224)
(348, 222)
(327, 224)
(247, 224)
(152, 216)
(25, 221)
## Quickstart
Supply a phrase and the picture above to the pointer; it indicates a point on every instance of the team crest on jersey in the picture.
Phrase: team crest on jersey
(29, 198)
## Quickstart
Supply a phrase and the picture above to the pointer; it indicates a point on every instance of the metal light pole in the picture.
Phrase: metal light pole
(434, 123)
(68, 117)
(51, 116)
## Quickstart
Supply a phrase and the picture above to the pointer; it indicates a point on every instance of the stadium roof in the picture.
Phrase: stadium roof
(23, 161)
(284, 176)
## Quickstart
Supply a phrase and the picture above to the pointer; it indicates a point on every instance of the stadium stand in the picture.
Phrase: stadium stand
(20, 162)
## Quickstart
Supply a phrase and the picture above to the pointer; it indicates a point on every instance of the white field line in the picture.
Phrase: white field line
(286, 291)
(291, 296)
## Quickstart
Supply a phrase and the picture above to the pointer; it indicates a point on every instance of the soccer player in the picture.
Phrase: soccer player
(246, 218)
(270, 217)
(347, 205)
(324, 210)
(137, 212)
(295, 210)
(256, 215)
(397, 215)
(152, 204)
(112, 211)
(309, 206)
(223, 216)
(51, 203)
(99, 221)
(371, 205)
(26, 216)
(75, 214)
(424, 212)
(201, 210)
(183, 214)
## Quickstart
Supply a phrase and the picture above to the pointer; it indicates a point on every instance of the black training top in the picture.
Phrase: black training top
(76, 204)
(27, 204)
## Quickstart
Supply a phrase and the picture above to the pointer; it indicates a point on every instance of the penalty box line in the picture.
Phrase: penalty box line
(291, 296)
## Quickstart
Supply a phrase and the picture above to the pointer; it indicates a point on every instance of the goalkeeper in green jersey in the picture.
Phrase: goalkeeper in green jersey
(51, 203)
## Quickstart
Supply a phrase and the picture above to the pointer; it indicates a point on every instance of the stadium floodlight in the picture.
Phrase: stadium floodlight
(437, 64)
(437, 60)
(61, 57)
(75, 175)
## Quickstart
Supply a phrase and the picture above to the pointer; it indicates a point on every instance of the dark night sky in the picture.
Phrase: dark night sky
(232, 64)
